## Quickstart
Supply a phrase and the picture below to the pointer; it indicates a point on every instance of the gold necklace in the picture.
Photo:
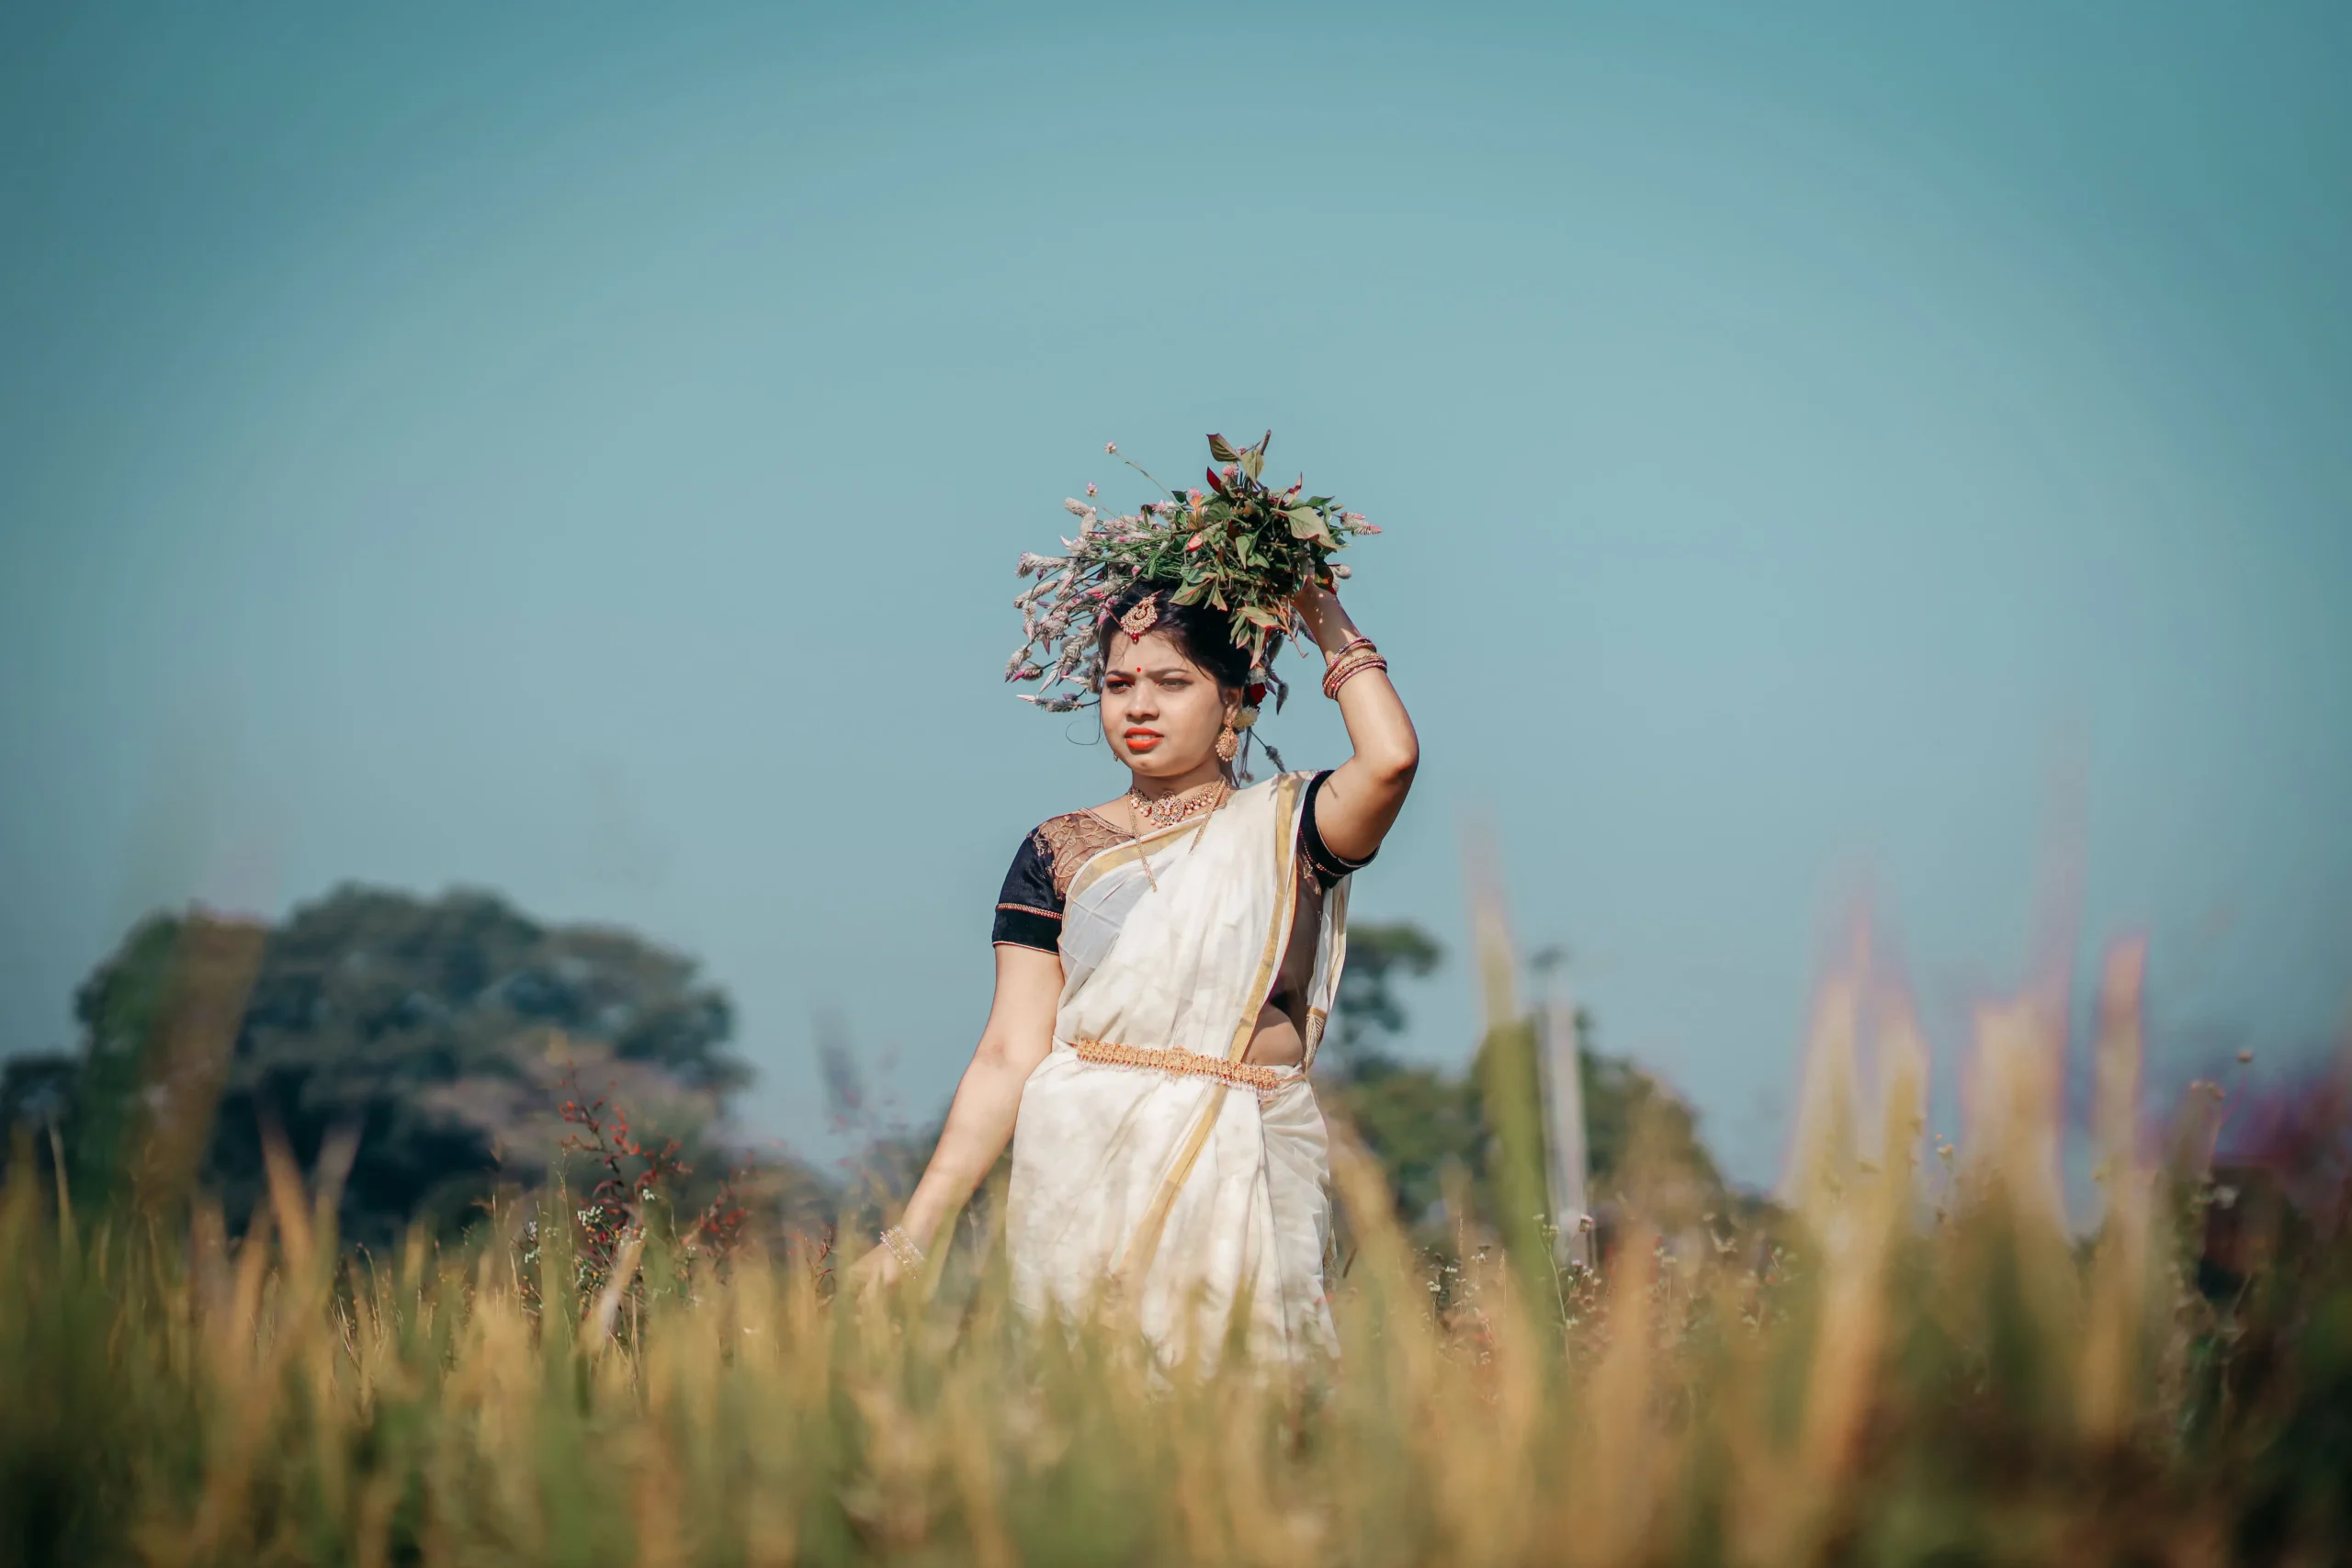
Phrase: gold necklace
(1171, 809)
(1166, 812)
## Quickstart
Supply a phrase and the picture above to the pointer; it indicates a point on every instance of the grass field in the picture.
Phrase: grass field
(1919, 1362)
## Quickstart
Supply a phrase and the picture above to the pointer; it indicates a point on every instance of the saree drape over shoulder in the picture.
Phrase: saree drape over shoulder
(1150, 1159)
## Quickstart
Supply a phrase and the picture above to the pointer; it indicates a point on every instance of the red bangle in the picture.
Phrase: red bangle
(1341, 674)
(1359, 640)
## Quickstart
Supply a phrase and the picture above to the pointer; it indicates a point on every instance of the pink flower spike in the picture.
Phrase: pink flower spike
(1366, 528)
(1090, 489)
(1111, 447)
(1193, 496)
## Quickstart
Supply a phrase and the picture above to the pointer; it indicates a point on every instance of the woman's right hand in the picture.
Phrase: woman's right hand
(1019, 1035)
(875, 1272)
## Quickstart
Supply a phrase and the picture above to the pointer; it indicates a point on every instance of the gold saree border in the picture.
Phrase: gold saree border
(1287, 869)
(1145, 1244)
(1102, 863)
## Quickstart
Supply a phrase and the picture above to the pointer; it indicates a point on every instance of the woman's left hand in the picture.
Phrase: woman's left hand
(1316, 599)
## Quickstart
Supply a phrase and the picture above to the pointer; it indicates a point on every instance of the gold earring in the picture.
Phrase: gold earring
(1229, 744)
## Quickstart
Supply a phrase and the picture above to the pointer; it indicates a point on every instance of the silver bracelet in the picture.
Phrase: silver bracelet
(903, 1249)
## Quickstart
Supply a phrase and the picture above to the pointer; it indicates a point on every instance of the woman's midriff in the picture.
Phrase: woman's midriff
(1277, 1041)
(1280, 1039)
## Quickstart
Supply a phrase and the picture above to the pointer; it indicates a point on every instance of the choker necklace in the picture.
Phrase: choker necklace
(1171, 809)
(1168, 811)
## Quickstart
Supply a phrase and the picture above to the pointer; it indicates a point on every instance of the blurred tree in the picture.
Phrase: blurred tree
(1367, 1009)
(36, 1095)
(440, 1030)
(1420, 1121)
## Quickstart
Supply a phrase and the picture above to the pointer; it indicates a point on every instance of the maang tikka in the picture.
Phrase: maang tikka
(1142, 617)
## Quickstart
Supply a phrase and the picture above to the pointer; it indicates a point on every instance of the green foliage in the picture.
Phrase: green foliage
(1422, 1125)
(438, 1030)
(1236, 546)
(118, 1007)
(1629, 1116)
(1510, 1100)
(1367, 1008)
(1425, 1126)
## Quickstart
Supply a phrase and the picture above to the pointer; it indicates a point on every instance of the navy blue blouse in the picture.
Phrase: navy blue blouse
(1029, 909)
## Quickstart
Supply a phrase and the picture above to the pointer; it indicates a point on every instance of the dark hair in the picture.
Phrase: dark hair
(1203, 635)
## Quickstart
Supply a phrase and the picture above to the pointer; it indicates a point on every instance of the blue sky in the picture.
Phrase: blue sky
(582, 452)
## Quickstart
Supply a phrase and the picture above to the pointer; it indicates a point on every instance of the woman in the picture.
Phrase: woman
(1164, 966)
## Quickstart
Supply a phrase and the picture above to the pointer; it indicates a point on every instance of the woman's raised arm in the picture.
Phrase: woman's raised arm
(1360, 799)
(1019, 1033)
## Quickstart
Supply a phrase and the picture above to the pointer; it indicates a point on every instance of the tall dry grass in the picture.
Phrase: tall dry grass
(1924, 1364)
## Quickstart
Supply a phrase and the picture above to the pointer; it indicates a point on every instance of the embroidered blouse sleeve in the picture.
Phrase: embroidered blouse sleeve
(1328, 866)
(1029, 908)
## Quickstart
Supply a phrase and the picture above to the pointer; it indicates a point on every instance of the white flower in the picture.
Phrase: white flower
(1244, 718)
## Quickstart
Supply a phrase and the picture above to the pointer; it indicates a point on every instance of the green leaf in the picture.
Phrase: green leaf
(1191, 594)
(1305, 523)
(1253, 461)
(1222, 450)
(1259, 615)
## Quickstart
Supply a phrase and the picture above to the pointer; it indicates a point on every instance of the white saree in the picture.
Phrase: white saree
(1150, 1161)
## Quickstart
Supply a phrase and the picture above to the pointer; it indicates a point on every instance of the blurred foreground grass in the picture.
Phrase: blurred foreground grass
(1920, 1362)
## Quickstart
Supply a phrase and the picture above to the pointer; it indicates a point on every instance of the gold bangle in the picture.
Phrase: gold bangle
(1359, 640)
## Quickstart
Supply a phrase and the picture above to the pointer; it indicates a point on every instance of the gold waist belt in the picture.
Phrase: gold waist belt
(1244, 1074)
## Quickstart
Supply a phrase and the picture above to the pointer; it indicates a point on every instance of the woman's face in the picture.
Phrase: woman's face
(1160, 712)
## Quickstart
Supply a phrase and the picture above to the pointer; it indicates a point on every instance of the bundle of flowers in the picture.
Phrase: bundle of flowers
(1238, 546)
